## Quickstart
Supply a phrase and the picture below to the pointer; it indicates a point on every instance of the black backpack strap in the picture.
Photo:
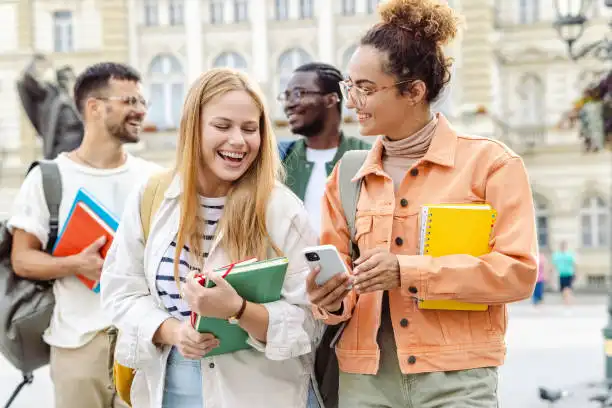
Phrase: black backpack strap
(52, 187)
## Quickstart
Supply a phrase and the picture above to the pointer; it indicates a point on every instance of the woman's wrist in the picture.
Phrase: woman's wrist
(167, 332)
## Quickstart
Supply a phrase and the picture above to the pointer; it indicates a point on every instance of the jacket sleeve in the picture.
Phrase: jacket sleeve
(291, 329)
(124, 293)
(334, 231)
(506, 274)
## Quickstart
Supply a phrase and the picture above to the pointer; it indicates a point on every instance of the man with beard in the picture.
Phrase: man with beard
(109, 98)
(313, 105)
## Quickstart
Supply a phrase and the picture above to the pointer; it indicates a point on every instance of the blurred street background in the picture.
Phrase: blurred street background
(514, 79)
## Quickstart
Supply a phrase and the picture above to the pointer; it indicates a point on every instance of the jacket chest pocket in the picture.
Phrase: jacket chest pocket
(363, 232)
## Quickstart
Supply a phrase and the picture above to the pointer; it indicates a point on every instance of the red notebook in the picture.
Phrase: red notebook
(87, 222)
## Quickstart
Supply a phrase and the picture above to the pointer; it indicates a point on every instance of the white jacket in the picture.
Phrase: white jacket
(274, 374)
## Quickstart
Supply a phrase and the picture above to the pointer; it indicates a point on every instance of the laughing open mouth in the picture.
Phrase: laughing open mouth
(235, 157)
(134, 123)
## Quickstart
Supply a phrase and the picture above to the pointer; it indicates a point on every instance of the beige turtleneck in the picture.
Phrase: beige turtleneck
(400, 155)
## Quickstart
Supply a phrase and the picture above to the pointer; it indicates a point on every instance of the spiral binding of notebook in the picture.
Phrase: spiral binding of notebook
(450, 229)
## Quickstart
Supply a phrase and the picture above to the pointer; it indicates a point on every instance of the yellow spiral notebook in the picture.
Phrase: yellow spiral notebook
(450, 229)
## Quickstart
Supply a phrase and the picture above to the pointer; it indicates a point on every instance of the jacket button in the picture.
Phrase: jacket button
(412, 289)
(404, 322)
(212, 365)
(399, 241)
(411, 360)
(414, 172)
(404, 202)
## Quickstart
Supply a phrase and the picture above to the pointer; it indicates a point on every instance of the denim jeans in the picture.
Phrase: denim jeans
(183, 383)
(312, 397)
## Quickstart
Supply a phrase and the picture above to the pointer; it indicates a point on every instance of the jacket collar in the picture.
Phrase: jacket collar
(441, 150)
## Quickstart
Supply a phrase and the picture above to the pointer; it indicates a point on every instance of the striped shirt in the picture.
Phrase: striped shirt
(211, 210)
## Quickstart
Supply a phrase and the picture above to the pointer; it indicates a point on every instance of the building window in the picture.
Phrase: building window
(306, 8)
(372, 5)
(542, 221)
(241, 11)
(595, 223)
(531, 92)
(346, 58)
(529, 12)
(151, 12)
(287, 63)
(348, 7)
(176, 12)
(167, 88)
(62, 27)
(231, 60)
(216, 12)
(282, 10)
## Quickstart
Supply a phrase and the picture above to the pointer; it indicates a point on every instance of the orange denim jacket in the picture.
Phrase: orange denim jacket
(456, 169)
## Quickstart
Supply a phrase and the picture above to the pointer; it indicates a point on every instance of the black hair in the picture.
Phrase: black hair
(412, 34)
(96, 77)
(328, 77)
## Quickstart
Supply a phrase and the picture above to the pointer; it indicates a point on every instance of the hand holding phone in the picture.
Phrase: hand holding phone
(329, 261)
(329, 286)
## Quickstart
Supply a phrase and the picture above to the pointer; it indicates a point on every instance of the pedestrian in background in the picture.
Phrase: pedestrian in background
(564, 261)
(543, 275)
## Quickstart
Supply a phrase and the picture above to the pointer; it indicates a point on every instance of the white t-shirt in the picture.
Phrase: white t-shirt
(77, 315)
(316, 183)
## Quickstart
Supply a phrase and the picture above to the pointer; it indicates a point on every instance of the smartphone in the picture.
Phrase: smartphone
(328, 259)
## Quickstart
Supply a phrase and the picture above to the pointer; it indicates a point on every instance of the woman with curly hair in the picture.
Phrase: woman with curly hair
(392, 353)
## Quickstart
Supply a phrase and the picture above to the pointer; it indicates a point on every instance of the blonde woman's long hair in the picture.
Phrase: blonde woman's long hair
(243, 223)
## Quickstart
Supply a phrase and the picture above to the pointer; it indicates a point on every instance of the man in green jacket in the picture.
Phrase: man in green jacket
(312, 102)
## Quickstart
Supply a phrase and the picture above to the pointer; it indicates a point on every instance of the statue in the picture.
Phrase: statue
(46, 97)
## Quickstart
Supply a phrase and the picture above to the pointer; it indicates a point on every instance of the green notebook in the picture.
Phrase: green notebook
(257, 282)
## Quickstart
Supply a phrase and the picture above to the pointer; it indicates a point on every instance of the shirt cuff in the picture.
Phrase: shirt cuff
(331, 319)
(256, 344)
(412, 275)
(29, 226)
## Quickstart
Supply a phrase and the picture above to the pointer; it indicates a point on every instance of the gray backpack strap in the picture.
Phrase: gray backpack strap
(52, 187)
(349, 165)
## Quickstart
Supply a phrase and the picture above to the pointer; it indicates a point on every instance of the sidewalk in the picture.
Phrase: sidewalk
(554, 298)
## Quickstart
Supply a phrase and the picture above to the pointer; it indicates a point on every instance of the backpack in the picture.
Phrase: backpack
(26, 305)
(149, 204)
(326, 371)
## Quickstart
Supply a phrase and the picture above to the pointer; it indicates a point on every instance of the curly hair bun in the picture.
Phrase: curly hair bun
(429, 20)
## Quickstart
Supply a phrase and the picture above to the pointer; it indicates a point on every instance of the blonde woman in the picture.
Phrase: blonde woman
(225, 203)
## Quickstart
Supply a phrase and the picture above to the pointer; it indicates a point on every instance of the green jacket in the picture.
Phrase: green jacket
(298, 169)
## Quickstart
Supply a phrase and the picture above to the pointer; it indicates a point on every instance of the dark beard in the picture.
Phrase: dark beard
(120, 132)
(311, 129)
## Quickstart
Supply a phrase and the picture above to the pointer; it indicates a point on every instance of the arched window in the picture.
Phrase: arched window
(346, 58)
(287, 63)
(231, 60)
(542, 220)
(595, 222)
(529, 11)
(531, 92)
(167, 88)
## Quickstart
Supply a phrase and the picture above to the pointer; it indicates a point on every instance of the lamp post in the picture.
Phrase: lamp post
(570, 25)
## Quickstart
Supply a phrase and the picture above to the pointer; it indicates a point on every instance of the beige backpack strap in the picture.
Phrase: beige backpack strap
(152, 198)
